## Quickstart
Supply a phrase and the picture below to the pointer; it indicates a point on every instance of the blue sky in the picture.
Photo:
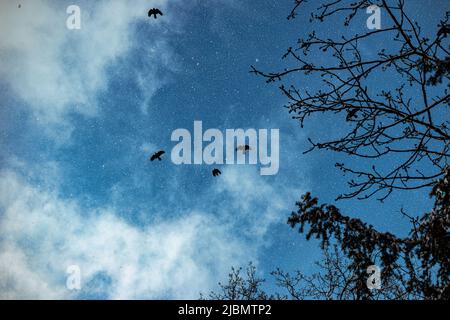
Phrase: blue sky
(81, 111)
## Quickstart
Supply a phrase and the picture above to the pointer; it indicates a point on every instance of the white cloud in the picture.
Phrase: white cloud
(173, 257)
(257, 202)
(147, 147)
(56, 71)
(43, 234)
(20, 281)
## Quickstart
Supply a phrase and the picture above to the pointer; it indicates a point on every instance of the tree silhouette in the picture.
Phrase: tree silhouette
(332, 281)
(406, 125)
(241, 287)
(420, 261)
(413, 267)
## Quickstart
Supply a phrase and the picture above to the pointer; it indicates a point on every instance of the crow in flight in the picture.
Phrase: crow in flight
(157, 155)
(154, 12)
(243, 148)
(216, 172)
(351, 114)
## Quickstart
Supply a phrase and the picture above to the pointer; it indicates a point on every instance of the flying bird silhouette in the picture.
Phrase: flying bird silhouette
(216, 172)
(243, 148)
(154, 12)
(157, 155)
(351, 114)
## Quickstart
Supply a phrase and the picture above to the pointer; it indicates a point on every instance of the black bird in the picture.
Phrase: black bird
(351, 114)
(216, 172)
(154, 12)
(243, 148)
(157, 155)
